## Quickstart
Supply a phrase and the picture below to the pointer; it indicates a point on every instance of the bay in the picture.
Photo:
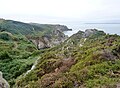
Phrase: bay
(108, 28)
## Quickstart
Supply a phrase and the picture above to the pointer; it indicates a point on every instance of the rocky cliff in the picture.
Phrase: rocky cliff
(49, 40)
(42, 35)
(81, 36)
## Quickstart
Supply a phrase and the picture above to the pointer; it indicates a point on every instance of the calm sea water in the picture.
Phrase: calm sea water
(108, 28)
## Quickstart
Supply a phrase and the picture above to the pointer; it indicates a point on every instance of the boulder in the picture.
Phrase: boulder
(3, 82)
(88, 32)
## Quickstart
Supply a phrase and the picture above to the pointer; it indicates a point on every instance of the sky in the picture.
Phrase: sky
(55, 11)
(66, 12)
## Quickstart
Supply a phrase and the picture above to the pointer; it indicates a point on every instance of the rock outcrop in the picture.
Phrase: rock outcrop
(3, 82)
(81, 36)
(49, 40)
(89, 32)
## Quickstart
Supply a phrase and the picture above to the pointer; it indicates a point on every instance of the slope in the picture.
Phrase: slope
(95, 64)
(19, 45)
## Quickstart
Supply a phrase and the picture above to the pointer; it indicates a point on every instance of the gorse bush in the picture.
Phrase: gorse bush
(5, 36)
(5, 56)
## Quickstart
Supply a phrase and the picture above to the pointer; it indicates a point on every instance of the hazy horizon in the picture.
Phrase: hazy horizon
(71, 13)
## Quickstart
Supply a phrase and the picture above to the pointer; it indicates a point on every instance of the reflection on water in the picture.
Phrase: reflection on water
(108, 28)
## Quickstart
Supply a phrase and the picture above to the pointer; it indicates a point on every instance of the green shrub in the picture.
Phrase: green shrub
(4, 55)
(5, 36)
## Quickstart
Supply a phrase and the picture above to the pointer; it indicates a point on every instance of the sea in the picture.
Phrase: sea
(107, 28)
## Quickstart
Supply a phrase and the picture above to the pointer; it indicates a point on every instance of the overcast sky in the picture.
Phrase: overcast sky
(60, 11)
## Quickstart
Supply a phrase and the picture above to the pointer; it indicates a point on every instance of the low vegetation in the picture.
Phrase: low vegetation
(89, 59)
(96, 64)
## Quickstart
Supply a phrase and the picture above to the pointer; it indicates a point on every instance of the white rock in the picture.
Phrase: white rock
(3, 82)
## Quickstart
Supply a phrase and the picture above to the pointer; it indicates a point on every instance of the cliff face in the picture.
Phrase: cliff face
(3, 82)
(54, 38)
